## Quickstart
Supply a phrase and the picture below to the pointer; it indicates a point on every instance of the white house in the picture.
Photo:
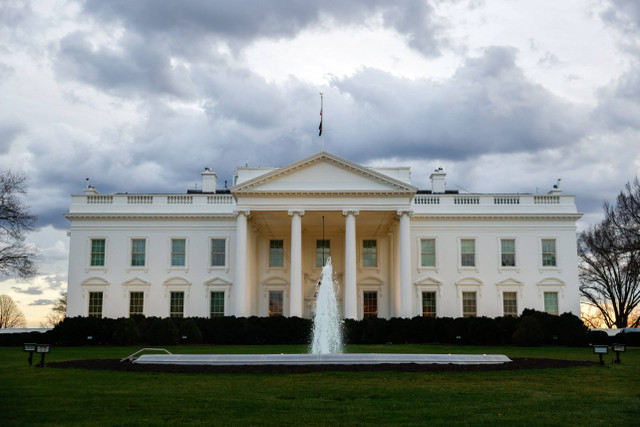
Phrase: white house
(257, 249)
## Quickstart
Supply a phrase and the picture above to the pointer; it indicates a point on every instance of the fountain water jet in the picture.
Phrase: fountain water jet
(327, 324)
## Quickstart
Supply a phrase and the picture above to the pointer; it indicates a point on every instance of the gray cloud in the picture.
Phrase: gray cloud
(42, 302)
(245, 20)
(9, 131)
(31, 290)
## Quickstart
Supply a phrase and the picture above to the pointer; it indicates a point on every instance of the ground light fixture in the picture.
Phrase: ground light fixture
(42, 349)
(619, 348)
(600, 350)
(30, 347)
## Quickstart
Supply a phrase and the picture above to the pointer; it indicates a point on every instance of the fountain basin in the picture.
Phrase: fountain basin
(320, 359)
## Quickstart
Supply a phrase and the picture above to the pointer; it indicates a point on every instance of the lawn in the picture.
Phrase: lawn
(574, 396)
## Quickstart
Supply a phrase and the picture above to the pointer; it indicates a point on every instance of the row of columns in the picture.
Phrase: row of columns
(241, 301)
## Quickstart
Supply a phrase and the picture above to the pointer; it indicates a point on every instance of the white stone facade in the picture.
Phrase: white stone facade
(396, 251)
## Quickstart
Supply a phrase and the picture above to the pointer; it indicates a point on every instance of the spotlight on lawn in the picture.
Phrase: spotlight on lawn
(30, 347)
(42, 349)
(619, 348)
(600, 350)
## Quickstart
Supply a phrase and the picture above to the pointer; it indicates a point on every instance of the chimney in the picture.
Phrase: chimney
(209, 180)
(438, 183)
(89, 189)
(556, 188)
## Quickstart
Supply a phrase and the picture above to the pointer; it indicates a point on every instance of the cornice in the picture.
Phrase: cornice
(138, 216)
(494, 216)
(245, 187)
(325, 193)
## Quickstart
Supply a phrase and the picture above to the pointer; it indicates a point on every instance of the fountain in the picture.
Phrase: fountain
(327, 324)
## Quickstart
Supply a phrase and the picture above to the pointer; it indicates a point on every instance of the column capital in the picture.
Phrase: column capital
(401, 212)
(296, 211)
(245, 212)
(353, 212)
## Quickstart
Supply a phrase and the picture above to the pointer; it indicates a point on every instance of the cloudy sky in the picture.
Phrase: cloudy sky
(506, 95)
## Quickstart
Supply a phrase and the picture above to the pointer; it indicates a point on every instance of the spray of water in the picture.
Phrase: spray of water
(327, 324)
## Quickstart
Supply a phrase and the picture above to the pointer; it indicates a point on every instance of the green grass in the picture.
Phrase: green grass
(608, 395)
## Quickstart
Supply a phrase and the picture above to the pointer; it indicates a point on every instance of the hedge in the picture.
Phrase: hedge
(531, 328)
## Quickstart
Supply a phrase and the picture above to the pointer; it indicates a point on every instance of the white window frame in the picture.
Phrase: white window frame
(475, 254)
(218, 284)
(516, 256)
(377, 266)
(184, 302)
(94, 268)
(428, 284)
(371, 284)
(551, 284)
(275, 284)
(226, 253)
(470, 284)
(95, 291)
(436, 266)
(185, 267)
(144, 301)
(434, 291)
(315, 250)
(558, 258)
(284, 251)
(144, 267)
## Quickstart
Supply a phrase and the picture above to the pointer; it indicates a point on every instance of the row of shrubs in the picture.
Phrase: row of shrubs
(532, 328)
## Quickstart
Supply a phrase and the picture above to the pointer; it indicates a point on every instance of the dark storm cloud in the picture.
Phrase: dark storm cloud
(32, 290)
(488, 106)
(244, 20)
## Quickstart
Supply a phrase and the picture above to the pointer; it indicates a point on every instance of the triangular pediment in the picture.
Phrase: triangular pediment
(323, 173)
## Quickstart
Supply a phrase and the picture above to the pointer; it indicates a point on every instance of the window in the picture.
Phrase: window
(469, 306)
(95, 304)
(176, 305)
(508, 248)
(276, 303)
(97, 252)
(370, 307)
(369, 253)
(428, 252)
(217, 304)
(276, 253)
(138, 249)
(468, 253)
(510, 303)
(136, 303)
(323, 252)
(551, 302)
(549, 253)
(218, 252)
(429, 304)
(178, 252)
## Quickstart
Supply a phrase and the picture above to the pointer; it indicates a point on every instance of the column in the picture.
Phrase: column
(406, 305)
(240, 283)
(295, 301)
(350, 291)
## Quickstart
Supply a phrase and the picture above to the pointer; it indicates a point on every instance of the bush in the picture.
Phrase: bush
(598, 338)
(163, 332)
(572, 331)
(126, 332)
(529, 332)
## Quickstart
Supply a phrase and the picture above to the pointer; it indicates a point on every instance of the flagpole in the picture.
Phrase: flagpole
(321, 118)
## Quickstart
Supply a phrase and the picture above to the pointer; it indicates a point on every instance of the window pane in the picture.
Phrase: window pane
(548, 253)
(508, 252)
(510, 303)
(136, 303)
(428, 252)
(468, 255)
(551, 302)
(369, 253)
(178, 253)
(218, 252)
(429, 304)
(217, 304)
(323, 252)
(276, 253)
(176, 305)
(370, 308)
(95, 304)
(276, 302)
(138, 247)
(469, 304)
(97, 252)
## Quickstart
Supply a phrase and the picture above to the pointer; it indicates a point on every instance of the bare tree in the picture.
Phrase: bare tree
(10, 314)
(609, 255)
(16, 258)
(58, 312)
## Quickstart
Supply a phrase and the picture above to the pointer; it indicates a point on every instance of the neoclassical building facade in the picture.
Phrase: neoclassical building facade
(257, 249)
